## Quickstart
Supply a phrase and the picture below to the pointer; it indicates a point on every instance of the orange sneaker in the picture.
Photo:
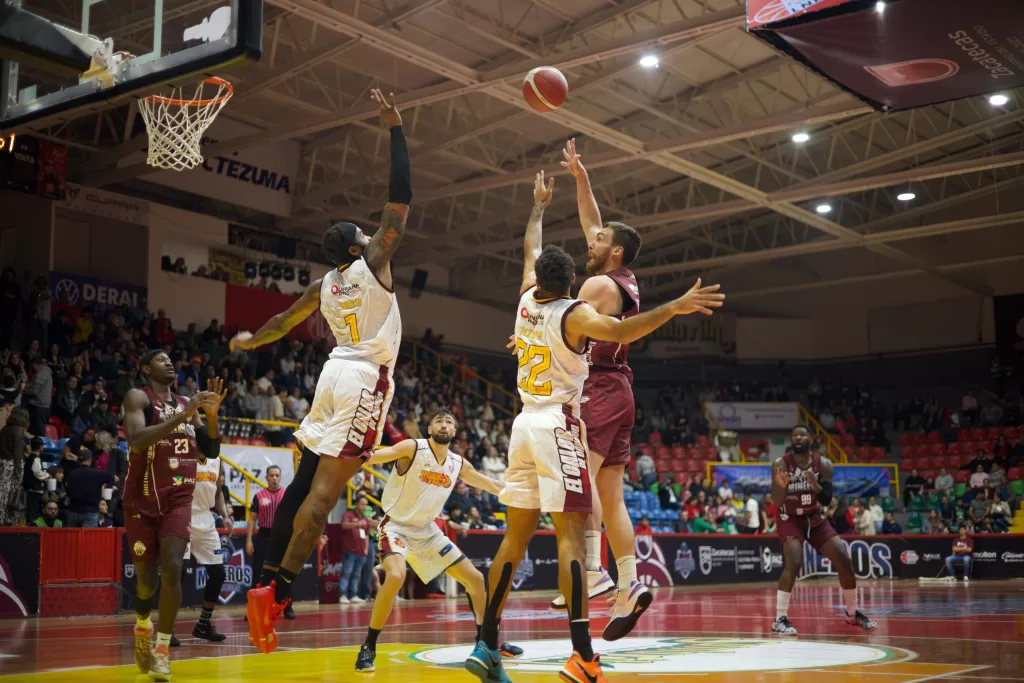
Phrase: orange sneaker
(578, 671)
(143, 647)
(262, 612)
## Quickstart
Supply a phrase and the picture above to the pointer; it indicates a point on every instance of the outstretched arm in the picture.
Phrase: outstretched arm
(403, 450)
(471, 476)
(532, 242)
(385, 241)
(590, 215)
(282, 323)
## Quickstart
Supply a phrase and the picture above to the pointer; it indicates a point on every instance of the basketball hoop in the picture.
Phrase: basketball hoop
(176, 125)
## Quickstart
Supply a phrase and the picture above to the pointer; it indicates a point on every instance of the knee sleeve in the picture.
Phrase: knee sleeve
(215, 576)
(294, 495)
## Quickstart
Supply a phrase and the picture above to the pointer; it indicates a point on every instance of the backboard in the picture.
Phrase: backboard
(143, 45)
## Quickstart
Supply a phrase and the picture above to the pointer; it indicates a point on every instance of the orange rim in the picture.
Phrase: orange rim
(212, 80)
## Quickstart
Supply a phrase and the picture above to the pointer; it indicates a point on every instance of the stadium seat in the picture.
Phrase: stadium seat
(919, 503)
(963, 435)
(661, 452)
(993, 433)
(877, 454)
(906, 439)
(906, 464)
(954, 461)
(967, 447)
(863, 453)
(922, 463)
(938, 461)
(934, 499)
(935, 437)
(888, 503)
(1015, 474)
(1017, 487)
(50, 432)
(985, 446)
(923, 451)
(702, 440)
(938, 448)
(929, 473)
(678, 464)
(663, 464)
(682, 477)
(961, 489)
(678, 452)
(914, 522)
(694, 466)
(848, 440)
(1011, 432)
(711, 453)
(953, 448)
(655, 438)
(909, 452)
(693, 453)
(963, 476)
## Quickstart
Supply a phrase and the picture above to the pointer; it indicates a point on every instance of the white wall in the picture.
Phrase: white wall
(463, 323)
(100, 247)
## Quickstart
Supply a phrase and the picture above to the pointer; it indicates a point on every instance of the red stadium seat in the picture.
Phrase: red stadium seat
(968, 447)
(1015, 473)
(848, 441)
(862, 453)
(935, 437)
(924, 450)
(920, 439)
(922, 463)
(906, 464)
(678, 452)
(711, 453)
(985, 446)
(655, 438)
(678, 464)
(963, 435)
(938, 461)
(909, 452)
(682, 478)
(50, 432)
(938, 448)
(661, 452)
(1011, 432)
(979, 433)
(993, 433)
(694, 466)
(694, 453)
(954, 462)
(877, 454)
(702, 440)
(963, 476)
(906, 438)
(953, 448)
(663, 464)
(929, 473)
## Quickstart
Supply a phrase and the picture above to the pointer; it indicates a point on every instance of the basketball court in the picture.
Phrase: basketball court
(951, 632)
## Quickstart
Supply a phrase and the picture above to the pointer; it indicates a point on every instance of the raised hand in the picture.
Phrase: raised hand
(812, 479)
(699, 300)
(512, 344)
(782, 478)
(239, 341)
(214, 387)
(389, 115)
(572, 162)
(542, 193)
(198, 401)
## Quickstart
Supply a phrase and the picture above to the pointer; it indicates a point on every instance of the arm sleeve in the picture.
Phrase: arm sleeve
(400, 181)
(209, 446)
(825, 497)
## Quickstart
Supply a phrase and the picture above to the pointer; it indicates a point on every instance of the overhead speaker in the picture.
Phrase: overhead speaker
(286, 247)
(264, 269)
(250, 270)
(419, 283)
(276, 271)
(289, 274)
(304, 277)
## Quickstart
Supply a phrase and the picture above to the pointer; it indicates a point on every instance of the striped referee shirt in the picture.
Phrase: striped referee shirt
(264, 506)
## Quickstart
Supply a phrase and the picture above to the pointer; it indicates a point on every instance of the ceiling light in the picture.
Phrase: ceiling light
(801, 137)
(998, 100)
(880, 7)
(823, 208)
(906, 196)
(649, 61)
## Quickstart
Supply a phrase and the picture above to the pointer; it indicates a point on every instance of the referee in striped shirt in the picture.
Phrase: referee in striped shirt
(261, 512)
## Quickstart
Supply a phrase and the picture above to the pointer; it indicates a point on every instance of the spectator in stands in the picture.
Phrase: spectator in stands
(963, 555)
(545, 523)
(297, 406)
(10, 391)
(979, 506)
(102, 419)
(838, 515)
(644, 527)
(667, 495)
(768, 513)
(1000, 514)
(12, 463)
(704, 524)
(481, 501)
(460, 497)
(646, 472)
(85, 489)
(725, 491)
(979, 480)
(104, 520)
(944, 482)
(68, 397)
(913, 486)
(34, 479)
(997, 478)
(49, 518)
(393, 434)
(946, 508)
(828, 420)
(683, 525)
(751, 512)
(969, 408)
(864, 522)
(891, 526)
(355, 541)
(929, 523)
(38, 395)
(877, 515)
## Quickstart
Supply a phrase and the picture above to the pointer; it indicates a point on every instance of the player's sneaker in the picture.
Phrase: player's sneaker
(485, 664)
(783, 627)
(578, 671)
(143, 648)
(629, 605)
(598, 583)
(289, 613)
(509, 651)
(160, 664)
(860, 619)
(174, 641)
(364, 662)
(263, 612)
(208, 633)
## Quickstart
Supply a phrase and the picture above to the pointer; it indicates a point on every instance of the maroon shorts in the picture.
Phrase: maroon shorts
(146, 529)
(608, 411)
(815, 530)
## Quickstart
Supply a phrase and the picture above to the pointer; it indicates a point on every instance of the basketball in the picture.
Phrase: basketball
(545, 88)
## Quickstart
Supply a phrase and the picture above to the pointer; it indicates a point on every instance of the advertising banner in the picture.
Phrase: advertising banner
(683, 338)
(256, 460)
(247, 308)
(759, 416)
(78, 291)
(848, 480)
(892, 57)
(537, 571)
(19, 574)
(106, 204)
(52, 175)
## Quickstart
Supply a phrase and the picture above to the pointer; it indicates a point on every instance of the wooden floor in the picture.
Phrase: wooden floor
(926, 633)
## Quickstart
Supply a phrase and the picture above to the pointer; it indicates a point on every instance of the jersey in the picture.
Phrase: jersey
(611, 356)
(801, 501)
(163, 476)
(362, 314)
(417, 497)
(205, 495)
(551, 373)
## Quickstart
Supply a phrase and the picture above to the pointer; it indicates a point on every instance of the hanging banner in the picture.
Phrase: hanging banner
(255, 460)
(53, 170)
(750, 415)
(848, 480)
(904, 54)
(683, 337)
(107, 204)
(79, 291)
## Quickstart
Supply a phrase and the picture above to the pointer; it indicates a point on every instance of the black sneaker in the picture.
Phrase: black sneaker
(364, 662)
(174, 641)
(289, 613)
(860, 619)
(510, 651)
(208, 633)
(783, 627)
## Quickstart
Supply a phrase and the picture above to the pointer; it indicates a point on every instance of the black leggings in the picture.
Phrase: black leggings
(284, 518)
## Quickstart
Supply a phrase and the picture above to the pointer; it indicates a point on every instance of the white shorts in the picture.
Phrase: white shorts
(428, 551)
(204, 543)
(547, 462)
(349, 408)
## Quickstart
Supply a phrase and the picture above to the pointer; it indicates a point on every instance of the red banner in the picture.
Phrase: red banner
(52, 170)
(248, 308)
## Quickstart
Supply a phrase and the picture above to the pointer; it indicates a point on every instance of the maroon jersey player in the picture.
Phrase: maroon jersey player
(802, 489)
(165, 438)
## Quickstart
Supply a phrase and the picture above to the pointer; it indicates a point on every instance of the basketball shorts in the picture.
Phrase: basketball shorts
(204, 544)
(547, 462)
(607, 409)
(145, 530)
(815, 530)
(349, 408)
(428, 551)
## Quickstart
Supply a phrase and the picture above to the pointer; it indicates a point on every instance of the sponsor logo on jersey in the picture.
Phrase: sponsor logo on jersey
(447, 549)
(344, 290)
(435, 479)
(350, 304)
(366, 418)
(172, 463)
(684, 564)
(532, 318)
(206, 476)
(178, 480)
(909, 557)
(129, 570)
(573, 458)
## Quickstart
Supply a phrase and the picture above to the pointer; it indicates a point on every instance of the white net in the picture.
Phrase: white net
(176, 125)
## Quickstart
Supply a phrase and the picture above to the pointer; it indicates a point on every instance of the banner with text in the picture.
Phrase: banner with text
(255, 460)
(538, 569)
(247, 308)
(759, 416)
(106, 204)
(79, 291)
(682, 337)
(19, 574)
(848, 480)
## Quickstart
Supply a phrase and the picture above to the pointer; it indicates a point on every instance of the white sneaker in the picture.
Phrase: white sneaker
(783, 627)
(967, 579)
(629, 606)
(357, 600)
(598, 583)
(343, 600)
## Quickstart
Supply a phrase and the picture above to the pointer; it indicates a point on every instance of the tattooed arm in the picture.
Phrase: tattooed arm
(385, 241)
(282, 323)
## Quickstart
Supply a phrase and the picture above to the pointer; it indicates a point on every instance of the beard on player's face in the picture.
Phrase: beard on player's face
(597, 259)
(441, 438)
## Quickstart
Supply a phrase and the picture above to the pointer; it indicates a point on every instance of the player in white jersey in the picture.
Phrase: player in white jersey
(355, 386)
(423, 477)
(547, 457)
(204, 545)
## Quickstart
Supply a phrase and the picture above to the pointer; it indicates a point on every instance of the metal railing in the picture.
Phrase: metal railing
(833, 449)
(714, 428)
(492, 391)
(247, 477)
